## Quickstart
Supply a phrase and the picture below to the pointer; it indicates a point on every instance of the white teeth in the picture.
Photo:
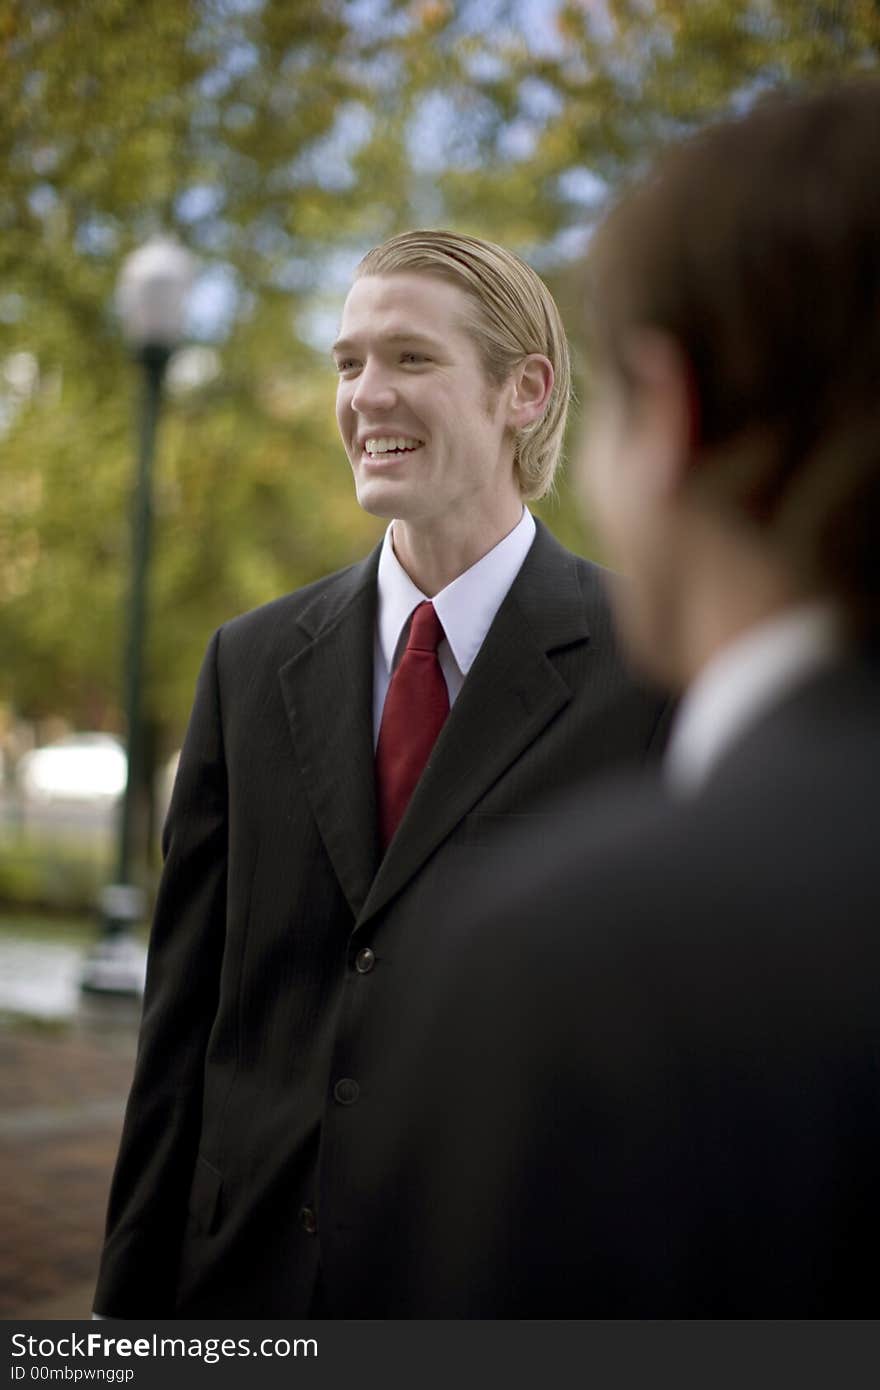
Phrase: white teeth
(383, 443)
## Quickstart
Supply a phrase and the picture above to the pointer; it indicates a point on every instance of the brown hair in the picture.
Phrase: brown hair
(515, 315)
(756, 245)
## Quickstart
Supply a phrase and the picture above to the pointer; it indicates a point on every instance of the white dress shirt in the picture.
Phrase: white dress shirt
(741, 683)
(466, 608)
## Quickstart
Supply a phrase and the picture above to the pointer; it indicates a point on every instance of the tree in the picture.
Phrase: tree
(280, 139)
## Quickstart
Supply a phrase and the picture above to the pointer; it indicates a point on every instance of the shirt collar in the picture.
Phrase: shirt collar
(466, 607)
(742, 682)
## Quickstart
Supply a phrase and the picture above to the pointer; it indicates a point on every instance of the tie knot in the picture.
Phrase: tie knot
(426, 630)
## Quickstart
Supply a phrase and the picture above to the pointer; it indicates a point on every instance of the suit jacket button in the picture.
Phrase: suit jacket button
(309, 1221)
(346, 1091)
(364, 961)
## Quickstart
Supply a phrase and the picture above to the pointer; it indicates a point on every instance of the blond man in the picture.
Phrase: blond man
(348, 744)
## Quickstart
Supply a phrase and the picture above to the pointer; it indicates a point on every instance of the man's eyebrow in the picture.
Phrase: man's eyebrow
(398, 336)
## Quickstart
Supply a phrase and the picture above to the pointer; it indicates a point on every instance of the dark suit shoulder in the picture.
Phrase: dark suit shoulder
(784, 832)
(595, 584)
(563, 597)
(594, 577)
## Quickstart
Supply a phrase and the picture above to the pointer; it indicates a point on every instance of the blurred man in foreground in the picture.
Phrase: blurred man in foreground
(651, 1075)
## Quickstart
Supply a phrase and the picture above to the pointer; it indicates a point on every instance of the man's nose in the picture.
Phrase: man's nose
(374, 390)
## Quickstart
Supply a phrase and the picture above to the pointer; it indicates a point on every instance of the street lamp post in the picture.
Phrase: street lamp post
(151, 299)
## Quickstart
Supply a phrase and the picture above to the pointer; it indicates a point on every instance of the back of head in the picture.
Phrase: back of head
(756, 246)
(514, 315)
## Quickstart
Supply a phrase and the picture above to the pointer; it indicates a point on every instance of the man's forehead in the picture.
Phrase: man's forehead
(377, 332)
(403, 306)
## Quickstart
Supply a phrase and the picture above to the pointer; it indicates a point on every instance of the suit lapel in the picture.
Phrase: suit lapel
(510, 695)
(328, 695)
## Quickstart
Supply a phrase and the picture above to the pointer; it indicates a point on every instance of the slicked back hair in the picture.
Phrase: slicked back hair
(514, 314)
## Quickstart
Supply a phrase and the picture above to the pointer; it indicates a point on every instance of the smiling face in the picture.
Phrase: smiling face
(428, 437)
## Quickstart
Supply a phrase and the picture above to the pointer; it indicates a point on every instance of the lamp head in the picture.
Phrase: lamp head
(151, 294)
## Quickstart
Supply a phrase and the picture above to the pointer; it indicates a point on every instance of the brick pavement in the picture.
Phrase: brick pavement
(62, 1093)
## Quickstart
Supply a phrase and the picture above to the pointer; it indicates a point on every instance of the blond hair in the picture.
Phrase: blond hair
(517, 315)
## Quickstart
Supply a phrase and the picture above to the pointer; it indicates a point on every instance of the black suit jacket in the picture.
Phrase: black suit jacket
(647, 1081)
(258, 1001)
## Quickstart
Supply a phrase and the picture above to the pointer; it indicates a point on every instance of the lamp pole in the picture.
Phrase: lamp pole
(151, 297)
(154, 360)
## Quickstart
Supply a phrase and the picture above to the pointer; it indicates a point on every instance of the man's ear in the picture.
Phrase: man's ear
(531, 384)
(666, 401)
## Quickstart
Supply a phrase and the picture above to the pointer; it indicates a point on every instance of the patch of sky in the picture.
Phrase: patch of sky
(484, 66)
(447, 131)
(239, 59)
(11, 308)
(316, 318)
(744, 98)
(43, 22)
(97, 236)
(214, 83)
(600, 22)
(425, 201)
(379, 72)
(760, 20)
(481, 16)
(317, 325)
(569, 244)
(34, 85)
(517, 140)
(44, 159)
(536, 21)
(43, 200)
(199, 201)
(427, 133)
(296, 60)
(204, 117)
(327, 162)
(372, 18)
(580, 185)
(238, 116)
(269, 239)
(230, 9)
(294, 275)
(212, 237)
(337, 268)
(538, 100)
(214, 301)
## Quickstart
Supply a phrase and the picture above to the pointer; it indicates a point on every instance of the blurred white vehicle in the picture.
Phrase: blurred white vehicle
(82, 767)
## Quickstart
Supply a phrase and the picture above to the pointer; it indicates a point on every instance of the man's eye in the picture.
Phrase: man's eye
(346, 364)
(416, 357)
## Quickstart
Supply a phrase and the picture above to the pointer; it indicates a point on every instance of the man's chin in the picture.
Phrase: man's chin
(375, 506)
(382, 498)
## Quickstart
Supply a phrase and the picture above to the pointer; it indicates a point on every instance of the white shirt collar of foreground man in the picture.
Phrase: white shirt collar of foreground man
(742, 683)
(466, 608)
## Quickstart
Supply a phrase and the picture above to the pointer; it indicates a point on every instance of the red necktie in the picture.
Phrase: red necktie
(415, 709)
